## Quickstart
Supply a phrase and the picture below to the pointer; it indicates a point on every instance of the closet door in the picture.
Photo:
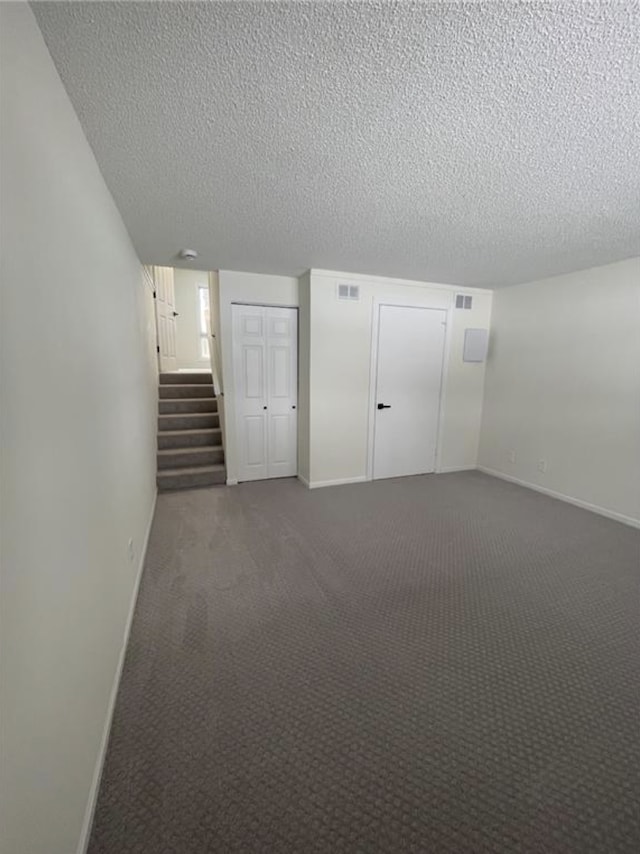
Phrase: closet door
(250, 373)
(265, 356)
(282, 387)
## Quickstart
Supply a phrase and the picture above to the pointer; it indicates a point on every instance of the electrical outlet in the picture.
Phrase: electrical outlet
(542, 466)
(131, 550)
(511, 456)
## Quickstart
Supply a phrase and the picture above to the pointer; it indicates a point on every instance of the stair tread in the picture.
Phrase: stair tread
(188, 399)
(189, 431)
(190, 449)
(214, 467)
(187, 414)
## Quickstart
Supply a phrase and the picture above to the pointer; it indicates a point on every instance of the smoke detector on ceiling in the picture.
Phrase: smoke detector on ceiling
(188, 254)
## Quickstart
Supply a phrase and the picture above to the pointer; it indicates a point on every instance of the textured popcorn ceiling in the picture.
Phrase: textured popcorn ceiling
(480, 143)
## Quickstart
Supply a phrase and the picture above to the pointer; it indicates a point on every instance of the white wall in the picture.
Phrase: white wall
(563, 385)
(340, 360)
(77, 421)
(186, 284)
(251, 288)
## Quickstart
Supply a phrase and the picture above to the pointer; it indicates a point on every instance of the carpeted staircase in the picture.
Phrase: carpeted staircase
(190, 452)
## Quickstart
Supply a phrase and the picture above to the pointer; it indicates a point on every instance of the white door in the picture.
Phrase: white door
(265, 363)
(165, 317)
(408, 382)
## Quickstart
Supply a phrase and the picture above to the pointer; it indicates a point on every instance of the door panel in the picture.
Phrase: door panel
(165, 317)
(249, 349)
(280, 439)
(253, 372)
(408, 383)
(253, 325)
(254, 438)
(280, 371)
(265, 353)
(282, 378)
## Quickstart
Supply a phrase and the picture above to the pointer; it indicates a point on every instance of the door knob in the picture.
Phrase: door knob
(384, 406)
(175, 313)
(264, 407)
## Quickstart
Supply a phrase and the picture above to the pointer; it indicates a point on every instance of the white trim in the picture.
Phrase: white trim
(373, 381)
(451, 469)
(303, 480)
(317, 484)
(85, 833)
(444, 382)
(577, 502)
(232, 481)
(378, 302)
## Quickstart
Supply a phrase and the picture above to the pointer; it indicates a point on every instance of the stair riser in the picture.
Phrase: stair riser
(173, 407)
(167, 482)
(180, 459)
(173, 391)
(181, 379)
(188, 440)
(188, 422)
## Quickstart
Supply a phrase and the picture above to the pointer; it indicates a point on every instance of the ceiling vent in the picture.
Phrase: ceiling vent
(349, 292)
(463, 301)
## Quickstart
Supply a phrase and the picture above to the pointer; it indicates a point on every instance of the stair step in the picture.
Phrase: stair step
(188, 421)
(189, 438)
(187, 405)
(174, 458)
(174, 390)
(190, 478)
(185, 378)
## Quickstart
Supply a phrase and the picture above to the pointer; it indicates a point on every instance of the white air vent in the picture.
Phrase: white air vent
(463, 301)
(350, 292)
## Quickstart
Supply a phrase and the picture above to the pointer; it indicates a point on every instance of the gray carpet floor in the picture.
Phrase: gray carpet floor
(433, 664)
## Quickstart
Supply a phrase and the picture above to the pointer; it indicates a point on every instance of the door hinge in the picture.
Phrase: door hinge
(157, 348)
(154, 294)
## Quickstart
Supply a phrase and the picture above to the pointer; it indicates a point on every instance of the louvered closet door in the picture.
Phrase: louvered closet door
(265, 342)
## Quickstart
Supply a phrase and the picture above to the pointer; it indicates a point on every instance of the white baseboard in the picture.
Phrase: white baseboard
(97, 774)
(450, 469)
(318, 484)
(303, 480)
(232, 481)
(577, 502)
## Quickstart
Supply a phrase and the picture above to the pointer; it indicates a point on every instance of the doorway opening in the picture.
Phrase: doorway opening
(183, 319)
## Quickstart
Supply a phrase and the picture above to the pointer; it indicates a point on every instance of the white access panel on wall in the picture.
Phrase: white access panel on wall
(265, 366)
(410, 355)
(476, 344)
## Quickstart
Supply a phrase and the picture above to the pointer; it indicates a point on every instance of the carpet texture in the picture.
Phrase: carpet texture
(433, 664)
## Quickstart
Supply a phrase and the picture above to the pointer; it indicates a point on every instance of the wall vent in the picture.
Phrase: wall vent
(350, 292)
(463, 301)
